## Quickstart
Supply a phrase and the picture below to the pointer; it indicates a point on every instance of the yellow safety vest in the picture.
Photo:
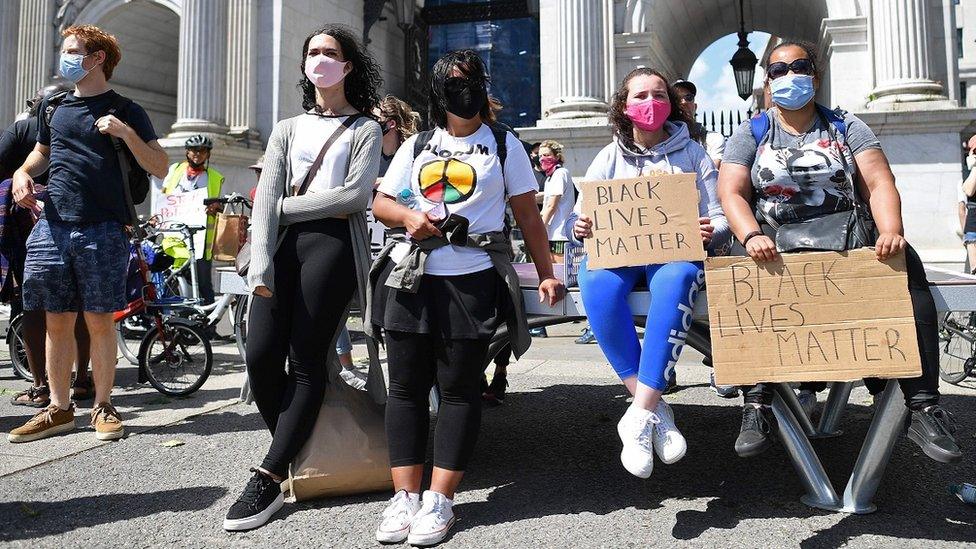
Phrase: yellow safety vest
(215, 181)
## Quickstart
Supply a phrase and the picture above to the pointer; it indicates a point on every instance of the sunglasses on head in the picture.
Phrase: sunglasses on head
(798, 66)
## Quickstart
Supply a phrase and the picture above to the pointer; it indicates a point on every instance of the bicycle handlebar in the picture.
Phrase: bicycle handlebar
(230, 199)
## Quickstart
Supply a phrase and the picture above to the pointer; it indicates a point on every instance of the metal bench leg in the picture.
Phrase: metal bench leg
(789, 398)
(820, 493)
(837, 398)
(888, 423)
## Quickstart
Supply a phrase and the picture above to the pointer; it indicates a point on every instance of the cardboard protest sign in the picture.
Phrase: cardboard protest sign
(642, 221)
(183, 207)
(822, 316)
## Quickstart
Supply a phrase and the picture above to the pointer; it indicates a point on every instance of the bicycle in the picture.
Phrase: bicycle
(177, 288)
(957, 342)
(174, 355)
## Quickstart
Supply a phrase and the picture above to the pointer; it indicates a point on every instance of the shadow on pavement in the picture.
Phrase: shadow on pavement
(571, 465)
(21, 520)
(221, 422)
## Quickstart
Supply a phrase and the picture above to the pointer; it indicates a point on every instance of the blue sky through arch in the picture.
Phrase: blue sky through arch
(712, 73)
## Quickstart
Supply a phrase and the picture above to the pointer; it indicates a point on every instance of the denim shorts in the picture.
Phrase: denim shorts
(76, 267)
(969, 238)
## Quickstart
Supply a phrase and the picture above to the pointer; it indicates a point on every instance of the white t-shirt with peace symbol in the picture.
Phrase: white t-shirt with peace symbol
(464, 173)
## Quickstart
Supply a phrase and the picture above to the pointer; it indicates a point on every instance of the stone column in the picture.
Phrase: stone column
(902, 60)
(202, 89)
(35, 47)
(10, 104)
(581, 77)
(242, 75)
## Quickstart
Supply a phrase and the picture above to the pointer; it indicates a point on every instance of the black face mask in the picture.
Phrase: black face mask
(464, 98)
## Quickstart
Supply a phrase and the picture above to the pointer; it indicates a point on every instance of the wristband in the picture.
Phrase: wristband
(749, 236)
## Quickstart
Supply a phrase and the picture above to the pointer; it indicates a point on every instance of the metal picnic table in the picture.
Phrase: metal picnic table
(952, 292)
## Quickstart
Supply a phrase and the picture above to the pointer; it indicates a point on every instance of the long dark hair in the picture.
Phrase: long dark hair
(623, 128)
(471, 66)
(363, 81)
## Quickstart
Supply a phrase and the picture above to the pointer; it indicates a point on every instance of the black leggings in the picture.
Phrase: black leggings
(919, 392)
(415, 362)
(314, 281)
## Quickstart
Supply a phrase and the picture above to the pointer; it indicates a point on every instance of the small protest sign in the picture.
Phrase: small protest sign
(822, 316)
(642, 221)
(183, 207)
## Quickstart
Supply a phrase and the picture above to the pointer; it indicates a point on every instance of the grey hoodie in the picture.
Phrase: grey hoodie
(676, 154)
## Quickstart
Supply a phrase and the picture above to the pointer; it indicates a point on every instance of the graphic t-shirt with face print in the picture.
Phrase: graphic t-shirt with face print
(465, 175)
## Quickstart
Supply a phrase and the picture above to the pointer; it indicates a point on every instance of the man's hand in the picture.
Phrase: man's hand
(419, 227)
(551, 291)
(583, 228)
(262, 291)
(23, 186)
(889, 245)
(706, 230)
(214, 209)
(111, 125)
(761, 248)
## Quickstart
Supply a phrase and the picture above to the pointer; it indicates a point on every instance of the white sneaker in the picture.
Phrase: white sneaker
(353, 378)
(397, 517)
(669, 443)
(808, 402)
(434, 520)
(635, 430)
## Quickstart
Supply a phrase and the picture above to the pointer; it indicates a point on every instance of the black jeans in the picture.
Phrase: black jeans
(415, 362)
(314, 281)
(920, 391)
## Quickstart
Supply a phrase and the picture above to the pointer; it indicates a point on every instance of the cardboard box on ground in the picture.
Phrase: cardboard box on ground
(642, 221)
(821, 316)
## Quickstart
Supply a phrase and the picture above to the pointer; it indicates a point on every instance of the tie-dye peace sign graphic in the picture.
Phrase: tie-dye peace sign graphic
(449, 181)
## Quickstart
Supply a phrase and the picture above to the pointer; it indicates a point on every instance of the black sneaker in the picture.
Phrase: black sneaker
(497, 389)
(758, 424)
(261, 499)
(932, 429)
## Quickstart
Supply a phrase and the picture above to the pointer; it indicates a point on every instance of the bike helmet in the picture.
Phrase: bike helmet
(195, 141)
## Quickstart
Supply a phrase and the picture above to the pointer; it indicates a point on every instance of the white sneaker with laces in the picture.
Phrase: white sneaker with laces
(434, 520)
(635, 430)
(808, 402)
(669, 443)
(397, 517)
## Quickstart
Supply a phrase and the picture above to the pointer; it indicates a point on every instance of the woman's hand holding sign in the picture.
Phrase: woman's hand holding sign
(706, 230)
(583, 228)
(889, 245)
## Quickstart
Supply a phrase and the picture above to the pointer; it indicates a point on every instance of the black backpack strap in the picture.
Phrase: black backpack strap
(501, 145)
(423, 138)
(119, 104)
(53, 103)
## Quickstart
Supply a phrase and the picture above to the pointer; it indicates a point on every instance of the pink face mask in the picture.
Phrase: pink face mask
(548, 164)
(324, 71)
(649, 115)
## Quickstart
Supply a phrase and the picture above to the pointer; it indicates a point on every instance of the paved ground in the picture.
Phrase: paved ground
(546, 474)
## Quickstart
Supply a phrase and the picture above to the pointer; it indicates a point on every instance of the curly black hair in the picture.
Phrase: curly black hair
(363, 81)
(623, 128)
(472, 66)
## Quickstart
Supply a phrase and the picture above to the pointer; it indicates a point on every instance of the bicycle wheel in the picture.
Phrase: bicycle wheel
(17, 348)
(177, 360)
(129, 333)
(956, 347)
(241, 311)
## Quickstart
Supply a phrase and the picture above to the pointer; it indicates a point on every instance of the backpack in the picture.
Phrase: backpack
(501, 146)
(135, 180)
(760, 122)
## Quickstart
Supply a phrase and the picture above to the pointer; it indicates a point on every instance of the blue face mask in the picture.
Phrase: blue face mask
(792, 91)
(71, 68)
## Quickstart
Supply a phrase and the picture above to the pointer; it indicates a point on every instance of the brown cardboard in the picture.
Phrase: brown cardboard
(822, 316)
(642, 221)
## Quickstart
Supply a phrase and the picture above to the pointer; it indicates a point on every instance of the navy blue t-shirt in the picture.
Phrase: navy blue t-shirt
(84, 179)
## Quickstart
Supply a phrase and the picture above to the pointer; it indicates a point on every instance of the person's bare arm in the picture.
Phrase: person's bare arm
(388, 212)
(549, 208)
(877, 184)
(969, 185)
(962, 216)
(527, 217)
(23, 179)
(150, 156)
(735, 193)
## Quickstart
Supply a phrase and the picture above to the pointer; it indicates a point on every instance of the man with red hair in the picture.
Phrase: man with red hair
(77, 254)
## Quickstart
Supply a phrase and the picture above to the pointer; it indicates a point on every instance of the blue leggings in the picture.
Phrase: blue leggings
(673, 288)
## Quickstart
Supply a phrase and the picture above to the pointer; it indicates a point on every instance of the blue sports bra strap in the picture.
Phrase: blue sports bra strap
(760, 126)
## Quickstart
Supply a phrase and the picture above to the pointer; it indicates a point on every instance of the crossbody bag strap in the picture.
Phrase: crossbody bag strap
(314, 169)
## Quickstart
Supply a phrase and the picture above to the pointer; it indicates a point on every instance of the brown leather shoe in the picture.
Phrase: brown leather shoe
(106, 421)
(46, 423)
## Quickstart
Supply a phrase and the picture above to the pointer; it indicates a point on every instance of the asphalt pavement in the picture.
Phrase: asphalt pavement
(546, 473)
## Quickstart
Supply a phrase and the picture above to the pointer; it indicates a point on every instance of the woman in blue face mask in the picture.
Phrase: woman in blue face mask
(801, 161)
